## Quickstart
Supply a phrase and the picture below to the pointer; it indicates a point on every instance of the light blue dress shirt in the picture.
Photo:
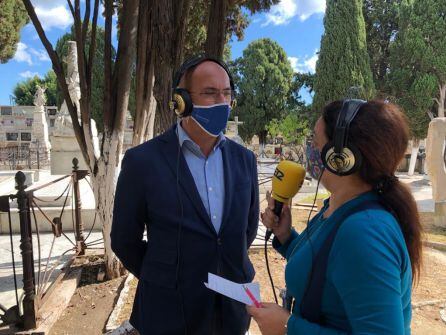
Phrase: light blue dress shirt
(208, 174)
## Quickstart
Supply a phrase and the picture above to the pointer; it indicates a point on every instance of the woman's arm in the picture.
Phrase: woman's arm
(285, 248)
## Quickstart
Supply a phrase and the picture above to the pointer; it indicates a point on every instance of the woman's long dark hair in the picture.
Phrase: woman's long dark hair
(380, 131)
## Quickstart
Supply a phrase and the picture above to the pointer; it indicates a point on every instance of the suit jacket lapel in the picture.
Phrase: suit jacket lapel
(227, 161)
(185, 178)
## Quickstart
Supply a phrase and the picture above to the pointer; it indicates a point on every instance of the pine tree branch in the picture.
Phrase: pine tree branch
(70, 5)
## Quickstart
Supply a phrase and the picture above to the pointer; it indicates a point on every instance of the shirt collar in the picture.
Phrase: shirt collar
(184, 137)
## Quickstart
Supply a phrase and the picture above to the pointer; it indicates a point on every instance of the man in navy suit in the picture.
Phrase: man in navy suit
(196, 193)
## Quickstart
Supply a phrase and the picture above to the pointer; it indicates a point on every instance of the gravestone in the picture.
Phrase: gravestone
(232, 131)
(64, 143)
(40, 138)
(435, 164)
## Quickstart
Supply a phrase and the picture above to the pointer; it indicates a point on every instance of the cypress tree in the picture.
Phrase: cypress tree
(13, 17)
(343, 59)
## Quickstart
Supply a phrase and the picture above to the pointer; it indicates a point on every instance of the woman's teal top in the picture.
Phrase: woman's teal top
(369, 277)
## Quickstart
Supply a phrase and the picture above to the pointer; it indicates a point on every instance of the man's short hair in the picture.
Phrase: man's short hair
(186, 78)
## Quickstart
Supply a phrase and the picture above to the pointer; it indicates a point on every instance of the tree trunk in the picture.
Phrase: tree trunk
(104, 184)
(262, 142)
(103, 165)
(262, 137)
(169, 31)
(145, 76)
(442, 100)
(145, 105)
(216, 28)
(150, 129)
(413, 156)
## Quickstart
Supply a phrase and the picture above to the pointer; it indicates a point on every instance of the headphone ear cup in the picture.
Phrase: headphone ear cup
(327, 147)
(357, 157)
(347, 162)
(181, 103)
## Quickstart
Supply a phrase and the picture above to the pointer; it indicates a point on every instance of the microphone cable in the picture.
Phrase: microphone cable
(180, 227)
(308, 238)
(269, 271)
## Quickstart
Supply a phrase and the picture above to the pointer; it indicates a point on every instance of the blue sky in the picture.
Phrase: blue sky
(297, 25)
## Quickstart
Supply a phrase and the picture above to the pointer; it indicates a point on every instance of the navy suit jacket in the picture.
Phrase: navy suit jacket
(182, 245)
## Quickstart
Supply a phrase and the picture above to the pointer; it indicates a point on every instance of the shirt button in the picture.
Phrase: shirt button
(214, 217)
(210, 189)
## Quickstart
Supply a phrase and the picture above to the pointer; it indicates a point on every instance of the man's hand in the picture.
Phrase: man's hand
(271, 318)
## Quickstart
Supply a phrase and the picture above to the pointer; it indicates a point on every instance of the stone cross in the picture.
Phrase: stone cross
(236, 123)
(40, 134)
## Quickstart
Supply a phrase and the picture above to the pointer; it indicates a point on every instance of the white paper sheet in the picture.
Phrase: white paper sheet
(233, 290)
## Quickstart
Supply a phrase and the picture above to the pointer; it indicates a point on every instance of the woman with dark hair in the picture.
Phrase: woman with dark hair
(351, 271)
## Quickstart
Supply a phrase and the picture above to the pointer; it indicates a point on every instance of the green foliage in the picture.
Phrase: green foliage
(292, 128)
(97, 90)
(236, 22)
(24, 91)
(264, 81)
(381, 22)
(418, 60)
(13, 17)
(303, 80)
(50, 82)
(343, 60)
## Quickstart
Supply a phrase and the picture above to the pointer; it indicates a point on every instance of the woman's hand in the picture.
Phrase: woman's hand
(271, 318)
(280, 227)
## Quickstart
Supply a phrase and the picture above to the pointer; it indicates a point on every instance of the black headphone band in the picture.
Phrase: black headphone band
(194, 61)
(349, 110)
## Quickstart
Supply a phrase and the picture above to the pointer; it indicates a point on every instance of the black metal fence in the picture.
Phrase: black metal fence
(36, 284)
(23, 157)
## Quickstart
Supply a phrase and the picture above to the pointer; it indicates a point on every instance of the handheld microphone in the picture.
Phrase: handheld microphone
(287, 180)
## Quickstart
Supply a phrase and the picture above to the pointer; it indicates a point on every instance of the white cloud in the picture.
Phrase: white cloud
(306, 8)
(285, 10)
(281, 13)
(22, 55)
(40, 54)
(29, 74)
(307, 64)
(53, 17)
(293, 61)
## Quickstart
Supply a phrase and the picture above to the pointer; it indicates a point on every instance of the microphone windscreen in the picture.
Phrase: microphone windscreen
(287, 180)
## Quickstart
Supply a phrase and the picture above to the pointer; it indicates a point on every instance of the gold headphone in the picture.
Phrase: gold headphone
(181, 102)
(340, 156)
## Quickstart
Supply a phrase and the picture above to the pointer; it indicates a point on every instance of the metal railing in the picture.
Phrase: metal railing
(23, 156)
(36, 288)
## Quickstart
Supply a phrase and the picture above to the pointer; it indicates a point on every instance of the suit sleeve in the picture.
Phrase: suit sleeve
(129, 216)
(367, 264)
(253, 219)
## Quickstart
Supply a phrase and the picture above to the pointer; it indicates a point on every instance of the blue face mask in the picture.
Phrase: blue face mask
(212, 119)
(315, 166)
